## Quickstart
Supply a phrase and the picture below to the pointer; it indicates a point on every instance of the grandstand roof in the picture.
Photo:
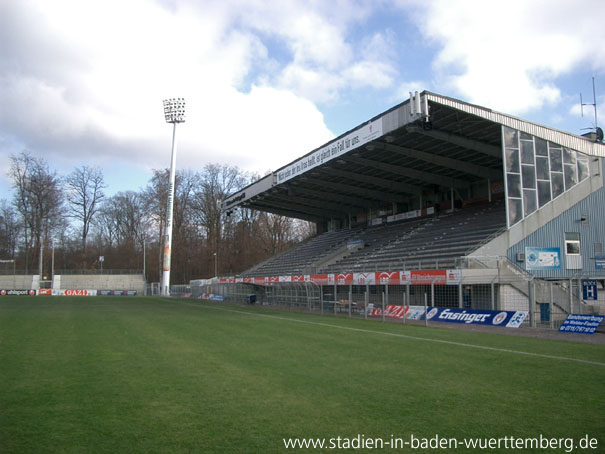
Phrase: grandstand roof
(425, 143)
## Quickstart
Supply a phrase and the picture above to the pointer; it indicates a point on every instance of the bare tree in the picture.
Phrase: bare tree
(84, 193)
(10, 228)
(217, 182)
(37, 198)
(278, 232)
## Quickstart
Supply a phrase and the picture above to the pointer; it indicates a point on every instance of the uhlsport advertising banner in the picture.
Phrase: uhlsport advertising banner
(509, 319)
(6, 292)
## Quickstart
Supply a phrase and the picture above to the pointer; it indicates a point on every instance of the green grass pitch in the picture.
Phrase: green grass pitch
(134, 374)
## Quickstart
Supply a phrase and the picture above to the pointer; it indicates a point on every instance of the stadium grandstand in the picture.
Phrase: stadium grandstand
(437, 201)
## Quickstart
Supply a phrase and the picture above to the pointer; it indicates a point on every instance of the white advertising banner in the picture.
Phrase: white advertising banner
(355, 139)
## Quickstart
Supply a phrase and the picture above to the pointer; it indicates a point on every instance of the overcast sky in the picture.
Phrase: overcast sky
(82, 81)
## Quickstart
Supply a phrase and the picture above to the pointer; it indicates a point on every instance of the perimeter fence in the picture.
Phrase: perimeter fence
(546, 303)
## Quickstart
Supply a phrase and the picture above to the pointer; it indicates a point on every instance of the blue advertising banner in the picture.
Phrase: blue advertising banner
(510, 319)
(542, 258)
(599, 262)
(583, 324)
(212, 297)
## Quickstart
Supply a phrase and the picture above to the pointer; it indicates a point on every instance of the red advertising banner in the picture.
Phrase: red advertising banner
(390, 311)
(418, 277)
(428, 277)
(388, 278)
(343, 278)
(322, 279)
(76, 292)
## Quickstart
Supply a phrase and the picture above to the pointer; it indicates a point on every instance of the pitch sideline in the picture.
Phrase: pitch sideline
(404, 336)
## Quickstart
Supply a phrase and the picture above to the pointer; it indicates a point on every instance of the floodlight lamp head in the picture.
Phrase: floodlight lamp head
(174, 110)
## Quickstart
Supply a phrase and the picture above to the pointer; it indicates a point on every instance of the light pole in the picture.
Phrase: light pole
(215, 265)
(174, 111)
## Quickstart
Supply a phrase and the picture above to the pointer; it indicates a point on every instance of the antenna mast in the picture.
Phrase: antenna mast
(598, 131)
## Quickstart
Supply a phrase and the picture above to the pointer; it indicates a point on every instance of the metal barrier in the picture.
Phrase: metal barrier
(547, 302)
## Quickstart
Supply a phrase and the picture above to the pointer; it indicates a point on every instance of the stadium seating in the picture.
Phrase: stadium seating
(422, 243)
(298, 259)
(436, 243)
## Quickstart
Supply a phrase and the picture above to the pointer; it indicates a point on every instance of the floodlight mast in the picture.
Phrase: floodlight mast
(174, 111)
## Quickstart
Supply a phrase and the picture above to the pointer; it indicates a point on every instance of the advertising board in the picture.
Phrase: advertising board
(583, 324)
(7, 292)
(509, 319)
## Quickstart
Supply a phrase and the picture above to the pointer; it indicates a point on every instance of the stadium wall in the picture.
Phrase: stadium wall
(19, 281)
(586, 218)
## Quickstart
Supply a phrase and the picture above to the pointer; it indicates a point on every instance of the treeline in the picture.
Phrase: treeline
(69, 222)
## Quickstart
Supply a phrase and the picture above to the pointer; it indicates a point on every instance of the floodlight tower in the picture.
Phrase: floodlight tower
(174, 111)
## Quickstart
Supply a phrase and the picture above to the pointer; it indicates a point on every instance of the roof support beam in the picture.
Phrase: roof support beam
(464, 142)
(461, 166)
(333, 197)
(323, 205)
(362, 192)
(427, 177)
(386, 184)
(284, 212)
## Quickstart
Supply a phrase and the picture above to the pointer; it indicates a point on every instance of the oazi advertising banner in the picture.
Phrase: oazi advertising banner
(509, 319)
(75, 292)
(390, 310)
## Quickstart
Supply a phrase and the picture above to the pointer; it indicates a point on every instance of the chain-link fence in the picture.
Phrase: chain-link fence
(546, 303)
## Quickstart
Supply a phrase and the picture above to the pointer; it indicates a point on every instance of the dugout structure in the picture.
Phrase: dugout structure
(442, 201)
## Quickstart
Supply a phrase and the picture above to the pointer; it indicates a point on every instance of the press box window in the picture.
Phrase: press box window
(572, 243)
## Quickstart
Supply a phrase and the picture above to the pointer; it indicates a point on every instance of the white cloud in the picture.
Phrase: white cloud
(506, 55)
(111, 63)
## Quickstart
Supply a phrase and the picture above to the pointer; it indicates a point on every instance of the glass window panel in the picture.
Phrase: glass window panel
(572, 236)
(557, 184)
(529, 201)
(525, 136)
(515, 213)
(583, 171)
(529, 177)
(541, 149)
(556, 163)
(527, 152)
(571, 176)
(543, 192)
(542, 168)
(572, 247)
(511, 137)
(513, 181)
(569, 156)
(512, 160)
